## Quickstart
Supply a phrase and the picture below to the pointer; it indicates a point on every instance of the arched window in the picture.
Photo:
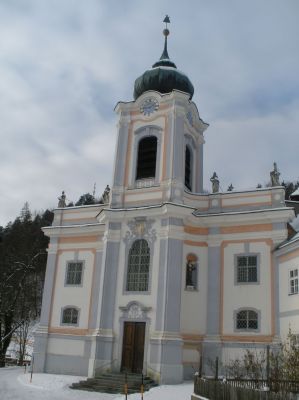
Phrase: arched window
(138, 266)
(247, 320)
(146, 158)
(191, 272)
(188, 168)
(70, 316)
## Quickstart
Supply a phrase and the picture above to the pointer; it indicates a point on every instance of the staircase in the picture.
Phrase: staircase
(114, 382)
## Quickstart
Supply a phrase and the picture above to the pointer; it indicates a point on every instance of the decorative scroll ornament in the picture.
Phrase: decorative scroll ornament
(135, 311)
(149, 106)
(141, 227)
(190, 117)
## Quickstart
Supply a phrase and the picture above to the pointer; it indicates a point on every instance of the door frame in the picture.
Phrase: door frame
(126, 317)
(136, 352)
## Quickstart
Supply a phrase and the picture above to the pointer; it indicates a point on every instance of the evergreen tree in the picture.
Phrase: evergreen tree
(290, 188)
(22, 268)
(86, 199)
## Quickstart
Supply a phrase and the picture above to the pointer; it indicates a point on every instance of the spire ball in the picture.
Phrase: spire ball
(166, 32)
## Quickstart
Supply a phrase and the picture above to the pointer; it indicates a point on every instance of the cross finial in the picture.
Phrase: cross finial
(166, 30)
(166, 20)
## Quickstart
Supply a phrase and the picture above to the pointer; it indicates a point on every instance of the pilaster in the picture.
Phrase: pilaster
(166, 344)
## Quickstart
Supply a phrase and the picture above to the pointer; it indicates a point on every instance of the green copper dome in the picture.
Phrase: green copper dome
(164, 76)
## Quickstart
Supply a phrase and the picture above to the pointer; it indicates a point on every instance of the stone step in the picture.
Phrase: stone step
(114, 383)
(121, 379)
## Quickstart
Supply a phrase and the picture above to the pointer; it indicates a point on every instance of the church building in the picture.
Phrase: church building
(163, 273)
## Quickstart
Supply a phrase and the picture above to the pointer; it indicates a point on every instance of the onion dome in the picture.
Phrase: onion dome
(164, 76)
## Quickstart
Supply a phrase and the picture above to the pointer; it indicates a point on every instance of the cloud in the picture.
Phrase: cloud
(64, 66)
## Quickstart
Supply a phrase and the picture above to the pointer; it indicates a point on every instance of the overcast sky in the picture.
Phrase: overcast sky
(64, 64)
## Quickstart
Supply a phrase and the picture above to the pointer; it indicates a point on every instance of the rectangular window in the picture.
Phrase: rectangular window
(74, 273)
(246, 269)
(294, 281)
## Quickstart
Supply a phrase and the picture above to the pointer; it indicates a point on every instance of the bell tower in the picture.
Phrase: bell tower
(159, 153)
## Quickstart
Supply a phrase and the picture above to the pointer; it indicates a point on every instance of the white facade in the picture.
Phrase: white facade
(213, 309)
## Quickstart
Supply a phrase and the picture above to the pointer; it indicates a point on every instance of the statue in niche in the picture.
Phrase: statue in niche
(274, 176)
(215, 183)
(61, 200)
(191, 274)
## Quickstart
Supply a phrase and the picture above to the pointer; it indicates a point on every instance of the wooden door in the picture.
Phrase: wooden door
(133, 347)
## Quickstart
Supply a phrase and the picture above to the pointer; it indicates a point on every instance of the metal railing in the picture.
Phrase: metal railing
(243, 389)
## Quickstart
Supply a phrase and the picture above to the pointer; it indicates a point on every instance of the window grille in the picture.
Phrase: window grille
(188, 169)
(70, 316)
(246, 269)
(138, 266)
(247, 319)
(74, 273)
(294, 281)
(146, 159)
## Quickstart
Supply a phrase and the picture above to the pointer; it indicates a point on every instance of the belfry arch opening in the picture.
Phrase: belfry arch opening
(188, 168)
(146, 158)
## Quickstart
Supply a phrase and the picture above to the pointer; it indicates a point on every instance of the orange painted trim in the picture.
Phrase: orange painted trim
(221, 299)
(149, 202)
(193, 243)
(261, 203)
(247, 338)
(224, 244)
(92, 286)
(128, 154)
(248, 196)
(290, 256)
(87, 220)
(272, 277)
(69, 331)
(193, 230)
(192, 336)
(54, 286)
(79, 239)
(59, 252)
(81, 209)
(246, 228)
(151, 189)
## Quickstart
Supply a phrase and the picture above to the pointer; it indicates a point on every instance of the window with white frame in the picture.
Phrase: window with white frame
(293, 281)
(247, 320)
(247, 269)
(138, 266)
(74, 271)
(70, 316)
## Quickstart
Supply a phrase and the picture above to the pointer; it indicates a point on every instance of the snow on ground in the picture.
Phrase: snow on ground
(15, 385)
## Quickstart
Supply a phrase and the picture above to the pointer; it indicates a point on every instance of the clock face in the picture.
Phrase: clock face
(149, 106)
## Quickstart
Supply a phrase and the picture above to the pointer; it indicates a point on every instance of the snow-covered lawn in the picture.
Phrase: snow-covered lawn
(15, 385)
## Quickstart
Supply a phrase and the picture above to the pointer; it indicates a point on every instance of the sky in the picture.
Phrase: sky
(64, 65)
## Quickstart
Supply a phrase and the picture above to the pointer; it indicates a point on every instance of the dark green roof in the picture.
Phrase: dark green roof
(164, 77)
